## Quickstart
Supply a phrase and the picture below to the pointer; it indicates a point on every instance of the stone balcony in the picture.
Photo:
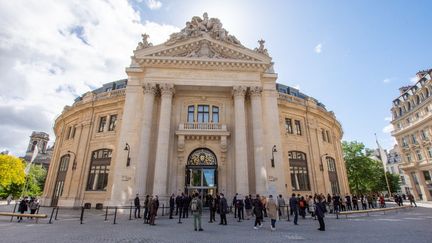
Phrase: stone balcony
(202, 129)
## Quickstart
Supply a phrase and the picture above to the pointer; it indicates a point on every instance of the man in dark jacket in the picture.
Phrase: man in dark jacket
(223, 209)
(22, 207)
(320, 210)
(293, 203)
(137, 206)
(186, 201)
(147, 209)
(171, 203)
(348, 202)
(177, 201)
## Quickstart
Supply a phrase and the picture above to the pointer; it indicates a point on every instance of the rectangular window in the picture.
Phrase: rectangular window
(98, 178)
(419, 155)
(426, 175)
(413, 139)
(288, 126)
(402, 178)
(404, 142)
(299, 178)
(102, 123)
(112, 123)
(73, 132)
(203, 113)
(215, 114)
(414, 176)
(429, 152)
(424, 135)
(328, 136)
(408, 157)
(68, 132)
(298, 127)
(323, 135)
(191, 113)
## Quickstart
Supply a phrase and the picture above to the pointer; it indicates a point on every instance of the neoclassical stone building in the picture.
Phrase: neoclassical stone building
(412, 123)
(200, 112)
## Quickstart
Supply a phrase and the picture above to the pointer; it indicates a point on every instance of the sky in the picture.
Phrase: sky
(351, 56)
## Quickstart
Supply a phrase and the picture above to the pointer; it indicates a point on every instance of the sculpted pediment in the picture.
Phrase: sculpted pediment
(202, 41)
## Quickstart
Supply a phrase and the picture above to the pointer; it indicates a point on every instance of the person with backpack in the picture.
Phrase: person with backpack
(22, 207)
(196, 210)
(302, 207)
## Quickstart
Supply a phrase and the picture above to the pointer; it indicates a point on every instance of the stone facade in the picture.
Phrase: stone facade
(200, 112)
(39, 139)
(394, 163)
(412, 122)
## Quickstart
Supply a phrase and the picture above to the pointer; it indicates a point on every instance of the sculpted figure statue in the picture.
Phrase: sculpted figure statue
(261, 49)
(144, 43)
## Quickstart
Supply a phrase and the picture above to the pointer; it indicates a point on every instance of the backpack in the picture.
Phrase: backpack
(194, 205)
(301, 204)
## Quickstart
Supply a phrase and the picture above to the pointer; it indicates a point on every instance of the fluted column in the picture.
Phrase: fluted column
(241, 166)
(161, 164)
(257, 132)
(144, 144)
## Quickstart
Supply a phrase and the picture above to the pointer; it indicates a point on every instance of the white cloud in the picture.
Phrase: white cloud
(388, 128)
(153, 4)
(318, 48)
(387, 80)
(414, 79)
(47, 58)
(296, 86)
(387, 118)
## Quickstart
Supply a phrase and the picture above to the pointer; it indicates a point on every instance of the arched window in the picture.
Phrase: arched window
(417, 100)
(61, 176)
(408, 106)
(299, 171)
(426, 92)
(331, 163)
(99, 170)
(33, 146)
(400, 111)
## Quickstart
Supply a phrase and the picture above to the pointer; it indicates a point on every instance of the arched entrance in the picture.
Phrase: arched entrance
(201, 173)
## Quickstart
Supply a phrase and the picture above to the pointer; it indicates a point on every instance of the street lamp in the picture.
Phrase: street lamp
(74, 164)
(321, 162)
(127, 148)
(272, 159)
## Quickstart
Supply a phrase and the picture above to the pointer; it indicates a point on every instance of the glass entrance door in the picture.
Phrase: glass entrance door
(202, 180)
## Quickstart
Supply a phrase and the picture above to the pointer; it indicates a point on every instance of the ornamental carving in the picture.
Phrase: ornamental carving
(166, 89)
(198, 27)
(149, 88)
(261, 49)
(255, 91)
(144, 43)
(239, 90)
(202, 157)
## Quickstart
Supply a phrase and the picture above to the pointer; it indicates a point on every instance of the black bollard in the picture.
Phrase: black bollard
(57, 208)
(130, 212)
(106, 213)
(115, 215)
(52, 213)
(14, 211)
(82, 215)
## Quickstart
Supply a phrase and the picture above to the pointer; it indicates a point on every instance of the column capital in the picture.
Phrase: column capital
(255, 91)
(167, 89)
(239, 91)
(149, 88)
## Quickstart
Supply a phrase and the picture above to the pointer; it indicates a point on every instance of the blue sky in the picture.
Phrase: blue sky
(351, 56)
(368, 49)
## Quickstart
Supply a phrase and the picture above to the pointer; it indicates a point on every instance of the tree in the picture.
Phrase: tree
(35, 180)
(11, 174)
(365, 175)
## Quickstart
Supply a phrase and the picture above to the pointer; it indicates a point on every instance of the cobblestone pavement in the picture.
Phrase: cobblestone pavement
(408, 225)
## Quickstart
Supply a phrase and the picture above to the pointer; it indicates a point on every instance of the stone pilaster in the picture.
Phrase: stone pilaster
(241, 165)
(144, 144)
(257, 131)
(161, 165)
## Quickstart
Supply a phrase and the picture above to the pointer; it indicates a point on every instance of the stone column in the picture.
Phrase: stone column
(161, 165)
(241, 165)
(257, 131)
(144, 144)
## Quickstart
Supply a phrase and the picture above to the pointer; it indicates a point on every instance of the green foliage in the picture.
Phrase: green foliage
(365, 175)
(13, 178)
(11, 174)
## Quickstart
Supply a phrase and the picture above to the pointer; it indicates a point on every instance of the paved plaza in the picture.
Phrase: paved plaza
(409, 225)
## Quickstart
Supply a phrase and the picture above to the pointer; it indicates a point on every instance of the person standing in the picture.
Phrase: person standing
(223, 209)
(186, 202)
(153, 210)
(22, 207)
(320, 210)
(382, 201)
(156, 198)
(311, 204)
(147, 209)
(293, 203)
(355, 202)
(177, 201)
(234, 205)
(240, 208)
(248, 207)
(33, 205)
(348, 202)
(171, 204)
(281, 203)
(412, 200)
(9, 199)
(137, 206)
(212, 207)
(272, 211)
(258, 212)
(196, 210)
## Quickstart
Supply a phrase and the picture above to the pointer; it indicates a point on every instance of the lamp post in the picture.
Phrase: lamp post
(127, 148)
(272, 159)
(322, 168)
(74, 164)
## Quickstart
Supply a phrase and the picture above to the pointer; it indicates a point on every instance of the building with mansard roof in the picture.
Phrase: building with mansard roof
(412, 123)
(198, 113)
